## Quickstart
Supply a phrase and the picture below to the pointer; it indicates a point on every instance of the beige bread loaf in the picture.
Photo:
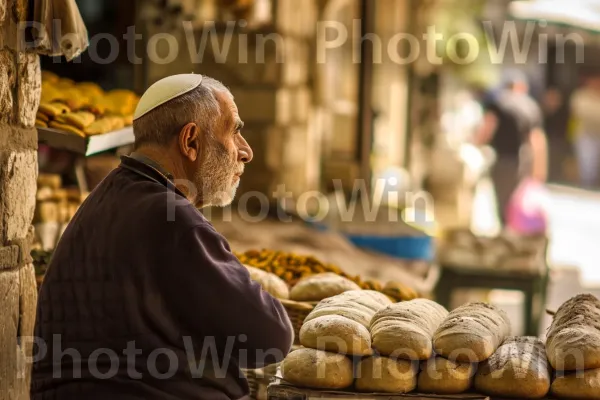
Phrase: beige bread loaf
(471, 333)
(386, 375)
(321, 286)
(336, 334)
(317, 369)
(518, 369)
(441, 376)
(405, 330)
(271, 283)
(582, 385)
(357, 305)
(573, 339)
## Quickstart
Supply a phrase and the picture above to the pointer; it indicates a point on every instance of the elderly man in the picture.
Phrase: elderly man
(143, 298)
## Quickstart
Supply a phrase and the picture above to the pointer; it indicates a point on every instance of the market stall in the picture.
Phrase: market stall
(82, 120)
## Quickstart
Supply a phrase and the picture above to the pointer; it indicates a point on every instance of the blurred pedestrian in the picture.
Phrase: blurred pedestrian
(585, 118)
(513, 127)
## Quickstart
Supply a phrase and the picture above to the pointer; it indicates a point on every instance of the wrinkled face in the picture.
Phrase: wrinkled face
(223, 157)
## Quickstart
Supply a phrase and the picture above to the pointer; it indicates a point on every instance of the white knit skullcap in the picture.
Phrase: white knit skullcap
(164, 90)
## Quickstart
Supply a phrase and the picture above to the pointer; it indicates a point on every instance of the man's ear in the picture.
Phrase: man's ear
(189, 141)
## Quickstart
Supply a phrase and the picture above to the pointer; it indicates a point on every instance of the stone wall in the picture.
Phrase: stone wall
(20, 86)
(270, 74)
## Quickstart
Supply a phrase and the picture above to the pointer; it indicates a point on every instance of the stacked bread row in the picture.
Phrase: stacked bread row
(55, 207)
(358, 342)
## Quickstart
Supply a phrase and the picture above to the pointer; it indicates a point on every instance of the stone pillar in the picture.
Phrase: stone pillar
(20, 88)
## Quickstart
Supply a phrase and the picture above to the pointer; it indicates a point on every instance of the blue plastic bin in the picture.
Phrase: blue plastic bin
(405, 247)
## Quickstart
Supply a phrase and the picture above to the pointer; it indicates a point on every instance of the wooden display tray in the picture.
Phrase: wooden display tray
(281, 391)
(278, 391)
(88, 146)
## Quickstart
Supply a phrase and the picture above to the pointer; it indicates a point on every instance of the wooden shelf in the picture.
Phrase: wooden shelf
(85, 146)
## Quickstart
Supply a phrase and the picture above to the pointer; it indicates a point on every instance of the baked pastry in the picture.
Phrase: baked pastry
(53, 109)
(79, 119)
(67, 128)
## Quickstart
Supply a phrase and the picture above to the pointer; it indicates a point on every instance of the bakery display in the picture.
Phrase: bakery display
(472, 332)
(405, 330)
(468, 351)
(518, 369)
(83, 108)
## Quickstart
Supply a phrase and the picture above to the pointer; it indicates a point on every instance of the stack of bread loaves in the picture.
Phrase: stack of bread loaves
(402, 335)
(467, 336)
(573, 348)
(333, 333)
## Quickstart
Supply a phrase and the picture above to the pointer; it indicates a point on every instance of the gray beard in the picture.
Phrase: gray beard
(214, 179)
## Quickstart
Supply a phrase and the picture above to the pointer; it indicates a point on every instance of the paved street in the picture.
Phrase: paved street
(575, 232)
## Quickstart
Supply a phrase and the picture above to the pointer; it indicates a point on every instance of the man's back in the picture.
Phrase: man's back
(517, 115)
(118, 307)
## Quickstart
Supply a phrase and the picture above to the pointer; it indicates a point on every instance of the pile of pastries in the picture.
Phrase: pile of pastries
(83, 108)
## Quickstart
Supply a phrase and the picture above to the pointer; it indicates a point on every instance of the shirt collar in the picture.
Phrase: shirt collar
(145, 169)
(151, 163)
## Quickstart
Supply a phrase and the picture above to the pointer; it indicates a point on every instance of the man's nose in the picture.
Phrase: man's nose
(245, 153)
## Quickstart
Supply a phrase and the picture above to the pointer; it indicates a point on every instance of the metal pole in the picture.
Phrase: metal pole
(365, 116)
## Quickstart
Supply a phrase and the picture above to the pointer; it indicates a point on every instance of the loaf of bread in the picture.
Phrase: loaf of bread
(441, 376)
(518, 369)
(317, 369)
(336, 334)
(357, 305)
(471, 333)
(321, 286)
(581, 385)
(271, 283)
(405, 330)
(386, 375)
(573, 340)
